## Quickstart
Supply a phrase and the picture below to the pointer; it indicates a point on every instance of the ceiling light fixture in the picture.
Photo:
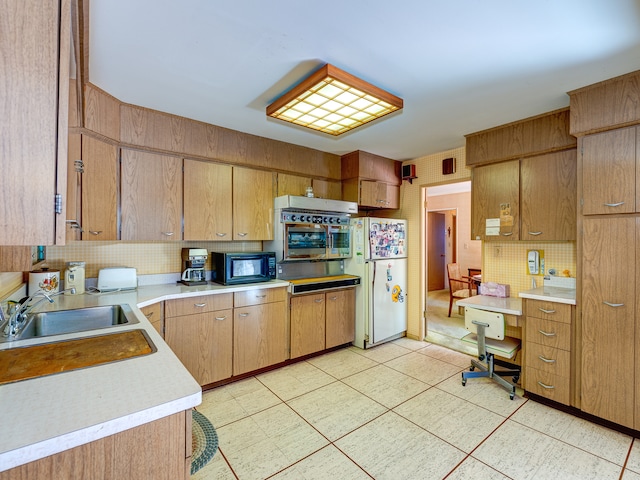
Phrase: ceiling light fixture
(333, 101)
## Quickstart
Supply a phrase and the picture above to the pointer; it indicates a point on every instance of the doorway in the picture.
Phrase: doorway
(447, 233)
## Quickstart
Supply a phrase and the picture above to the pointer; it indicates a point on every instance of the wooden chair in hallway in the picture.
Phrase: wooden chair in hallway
(459, 286)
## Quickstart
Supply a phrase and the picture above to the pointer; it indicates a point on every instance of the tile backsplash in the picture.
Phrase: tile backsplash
(146, 257)
(506, 262)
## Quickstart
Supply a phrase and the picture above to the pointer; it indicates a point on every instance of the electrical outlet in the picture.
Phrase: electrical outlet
(497, 252)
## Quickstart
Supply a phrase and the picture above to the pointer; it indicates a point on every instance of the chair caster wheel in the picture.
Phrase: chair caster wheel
(516, 379)
(472, 368)
(512, 396)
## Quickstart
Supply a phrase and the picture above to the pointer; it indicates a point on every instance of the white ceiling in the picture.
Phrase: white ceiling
(460, 65)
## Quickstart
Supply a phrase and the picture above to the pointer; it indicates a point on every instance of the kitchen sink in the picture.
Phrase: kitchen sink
(57, 322)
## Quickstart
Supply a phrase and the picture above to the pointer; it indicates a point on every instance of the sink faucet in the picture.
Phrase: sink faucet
(18, 317)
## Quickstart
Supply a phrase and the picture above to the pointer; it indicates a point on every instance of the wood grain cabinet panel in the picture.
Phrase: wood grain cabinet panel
(548, 196)
(307, 324)
(207, 206)
(253, 194)
(340, 317)
(151, 196)
(99, 190)
(327, 189)
(609, 173)
(34, 98)
(609, 319)
(292, 184)
(495, 194)
(155, 314)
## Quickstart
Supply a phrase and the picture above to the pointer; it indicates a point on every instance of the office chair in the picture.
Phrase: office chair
(459, 285)
(488, 332)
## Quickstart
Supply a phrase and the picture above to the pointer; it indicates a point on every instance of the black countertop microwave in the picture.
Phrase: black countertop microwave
(243, 267)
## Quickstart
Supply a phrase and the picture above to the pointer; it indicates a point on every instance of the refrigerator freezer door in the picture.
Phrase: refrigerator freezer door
(388, 315)
(387, 238)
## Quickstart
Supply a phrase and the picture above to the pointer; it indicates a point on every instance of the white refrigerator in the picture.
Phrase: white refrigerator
(379, 257)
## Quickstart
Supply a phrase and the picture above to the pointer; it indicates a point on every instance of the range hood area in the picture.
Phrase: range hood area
(293, 202)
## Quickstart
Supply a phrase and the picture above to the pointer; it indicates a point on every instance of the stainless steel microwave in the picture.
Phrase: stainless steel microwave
(242, 267)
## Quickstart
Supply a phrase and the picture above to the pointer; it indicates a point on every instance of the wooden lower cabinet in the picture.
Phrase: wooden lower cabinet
(155, 315)
(321, 320)
(202, 341)
(159, 450)
(259, 336)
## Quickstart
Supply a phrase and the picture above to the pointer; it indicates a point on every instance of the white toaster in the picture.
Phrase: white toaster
(117, 278)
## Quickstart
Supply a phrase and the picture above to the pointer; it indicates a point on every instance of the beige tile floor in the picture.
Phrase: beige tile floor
(399, 411)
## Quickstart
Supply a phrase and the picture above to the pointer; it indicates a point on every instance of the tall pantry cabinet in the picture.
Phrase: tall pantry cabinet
(603, 117)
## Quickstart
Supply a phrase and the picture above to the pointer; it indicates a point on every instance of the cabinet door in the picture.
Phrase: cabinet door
(155, 315)
(392, 196)
(207, 209)
(33, 121)
(608, 318)
(548, 189)
(203, 343)
(379, 194)
(99, 190)
(252, 204)
(327, 189)
(307, 324)
(495, 194)
(340, 317)
(259, 336)
(151, 196)
(292, 184)
(609, 172)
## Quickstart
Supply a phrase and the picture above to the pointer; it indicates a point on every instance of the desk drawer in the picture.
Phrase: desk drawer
(559, 312)
(199, 304)
(547, 359)
(548, 385)
(548, 333)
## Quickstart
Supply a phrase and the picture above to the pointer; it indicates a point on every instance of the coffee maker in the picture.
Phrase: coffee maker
(193, 260)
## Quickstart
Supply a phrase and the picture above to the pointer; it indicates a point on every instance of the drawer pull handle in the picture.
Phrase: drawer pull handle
(199, 305)
(149, 315)
(548, 387)
(613, 204)
(242, 234)
(333, 299)
(168, 234)
(546, 360)
(95, 232)
(547, 334)
(318, 300)
(221, 318)
(221, 234)
(260, 296)
(546, 311)
(535, 233)
(244, 314)
(614, 305)
(507, 234)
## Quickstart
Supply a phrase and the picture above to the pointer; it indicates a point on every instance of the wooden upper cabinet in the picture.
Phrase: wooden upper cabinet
(207, 205)
(34, 102)
(151, 190)
(548, 196)
(609, 171)
(370, 166)
(531, 136)
(378, 194)
(253, 195)
(292, 184)
(99, 190)
(495, 194)
(327, 189)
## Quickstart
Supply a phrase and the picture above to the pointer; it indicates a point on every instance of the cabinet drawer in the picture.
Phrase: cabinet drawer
(559, 312)
(547, 385)
(548, 359)
(548, 333)
(199, 304)
(259, 296)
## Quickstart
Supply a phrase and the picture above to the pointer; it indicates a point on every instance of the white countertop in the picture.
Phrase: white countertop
(551, 294)
(46, 415)
(508, 305)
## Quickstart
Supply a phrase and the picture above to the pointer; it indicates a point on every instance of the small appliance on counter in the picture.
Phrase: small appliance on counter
(117, 279)
(242, 267)
(193, 261)
(45, 279)
(74, 277)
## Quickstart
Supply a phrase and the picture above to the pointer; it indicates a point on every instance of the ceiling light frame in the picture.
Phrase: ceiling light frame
(333, 101)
